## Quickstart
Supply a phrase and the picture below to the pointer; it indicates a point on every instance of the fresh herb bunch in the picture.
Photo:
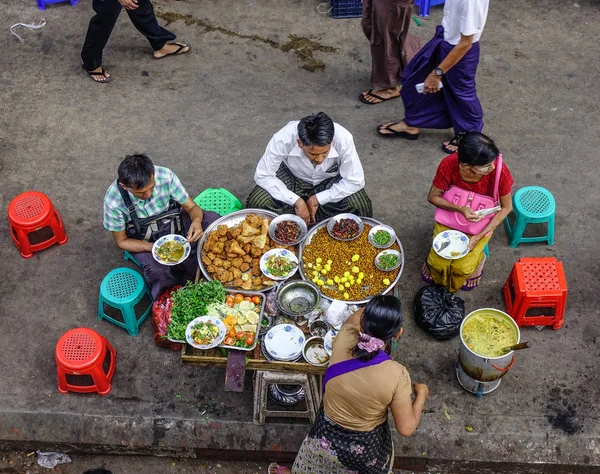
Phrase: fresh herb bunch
(190, 302)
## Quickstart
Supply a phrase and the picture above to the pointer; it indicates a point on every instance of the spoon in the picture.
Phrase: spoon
(517, 347)
(444, 245)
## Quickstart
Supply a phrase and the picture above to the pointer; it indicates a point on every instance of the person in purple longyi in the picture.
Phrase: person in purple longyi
(447, 66)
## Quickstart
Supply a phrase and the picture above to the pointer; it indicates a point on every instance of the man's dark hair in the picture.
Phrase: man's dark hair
(135, 171)
(477, 149)
(316, 130)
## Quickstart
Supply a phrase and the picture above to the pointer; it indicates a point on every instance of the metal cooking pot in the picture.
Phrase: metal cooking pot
(297, 298)
(481, 368)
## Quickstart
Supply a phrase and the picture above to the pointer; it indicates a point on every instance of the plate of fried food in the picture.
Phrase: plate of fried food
(231, 248)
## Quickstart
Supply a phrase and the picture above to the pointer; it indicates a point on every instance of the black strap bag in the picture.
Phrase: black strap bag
(153, 228)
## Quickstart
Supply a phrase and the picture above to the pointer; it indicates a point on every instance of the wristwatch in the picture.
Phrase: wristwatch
(438, 72)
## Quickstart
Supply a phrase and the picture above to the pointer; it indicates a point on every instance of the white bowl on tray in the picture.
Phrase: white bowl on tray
(339, 217)
(205, 319)
(289, 255)
(283, 218)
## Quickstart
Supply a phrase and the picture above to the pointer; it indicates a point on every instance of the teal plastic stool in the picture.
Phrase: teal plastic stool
(531, 205)
(128, 256)
(218, 200)
(122, 289)
(486, 251)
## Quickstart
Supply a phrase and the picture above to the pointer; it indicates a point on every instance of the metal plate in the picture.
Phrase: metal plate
(366, 220)
(230, 220)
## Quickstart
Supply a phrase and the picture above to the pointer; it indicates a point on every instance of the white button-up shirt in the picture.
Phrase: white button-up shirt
(342, 160)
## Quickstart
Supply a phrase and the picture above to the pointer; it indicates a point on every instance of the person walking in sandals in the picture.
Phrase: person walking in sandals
(141, 14)
(446, 68)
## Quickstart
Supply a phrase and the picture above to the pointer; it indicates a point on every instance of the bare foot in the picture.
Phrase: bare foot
(275, 468)
(172, 49)
(99, 75)
(377, 96)
(394, 128)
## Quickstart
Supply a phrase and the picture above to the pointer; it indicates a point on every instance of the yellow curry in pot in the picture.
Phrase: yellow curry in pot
(487, 334)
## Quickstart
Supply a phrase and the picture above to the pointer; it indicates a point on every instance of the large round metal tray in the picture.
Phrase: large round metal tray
(366, 220)
(230, 220)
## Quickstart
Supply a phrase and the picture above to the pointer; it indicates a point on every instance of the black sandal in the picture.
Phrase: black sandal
(394, 134)
(101, 73)
(454, 142)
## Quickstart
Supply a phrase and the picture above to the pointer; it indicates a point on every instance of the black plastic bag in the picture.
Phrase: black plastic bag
(438, 312)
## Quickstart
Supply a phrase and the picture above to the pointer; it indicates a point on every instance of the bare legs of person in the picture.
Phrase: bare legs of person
(377, 96)
(275, 468)
(398, 130)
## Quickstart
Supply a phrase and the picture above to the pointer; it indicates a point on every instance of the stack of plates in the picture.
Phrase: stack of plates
(284, 342)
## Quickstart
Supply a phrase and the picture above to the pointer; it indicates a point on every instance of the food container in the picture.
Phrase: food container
(205, 319)
(296, 298)
(388, 252)
(288, 217)
(482, 368)
(318, 328)
(169, 238)
(286, 254)
(314, 352)
(306, 276)
(261, 315)
(385, 228)
(331, 223)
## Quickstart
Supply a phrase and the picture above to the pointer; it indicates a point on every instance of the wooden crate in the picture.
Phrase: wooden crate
(254, 361)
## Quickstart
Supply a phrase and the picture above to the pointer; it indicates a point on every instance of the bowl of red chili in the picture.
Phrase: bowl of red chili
(345, 227)
(288, 229)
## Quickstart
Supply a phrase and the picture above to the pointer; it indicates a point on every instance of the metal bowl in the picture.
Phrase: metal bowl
(334, 219)
(388, 252)
(387, 229)
(263, 329)
(318, 328)
(288, 217)
(298, 297)
(314, 352)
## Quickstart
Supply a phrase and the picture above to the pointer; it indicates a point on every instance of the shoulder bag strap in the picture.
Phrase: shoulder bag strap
(498, 174)
(351, 365)
(130, 207)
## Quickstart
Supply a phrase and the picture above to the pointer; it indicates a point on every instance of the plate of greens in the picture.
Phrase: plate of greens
(388, 260)
(279, 264)
(382, 236)
(190, 302)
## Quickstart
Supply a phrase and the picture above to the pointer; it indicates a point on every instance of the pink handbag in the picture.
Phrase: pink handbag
(477, 202)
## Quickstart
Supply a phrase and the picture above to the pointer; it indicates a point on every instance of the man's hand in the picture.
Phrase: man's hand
(302, 210)
(195, 231)
(432, 84)
(129, 4)
(469, 214)
(313, 206)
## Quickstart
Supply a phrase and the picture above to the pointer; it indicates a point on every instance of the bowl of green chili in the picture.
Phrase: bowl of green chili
(382, 236)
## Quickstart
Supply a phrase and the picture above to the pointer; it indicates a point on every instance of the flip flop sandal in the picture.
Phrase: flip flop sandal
(101, 73)
(394, 134)
(454, 142)
(274, 465)
(362, 98)
(466, 286)
(178, 51)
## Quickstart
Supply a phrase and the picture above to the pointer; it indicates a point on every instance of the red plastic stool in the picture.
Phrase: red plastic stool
(85, 362)
(536, 292)
(29, 212)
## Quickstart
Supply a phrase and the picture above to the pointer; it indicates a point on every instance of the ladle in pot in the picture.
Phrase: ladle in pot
(517, 347)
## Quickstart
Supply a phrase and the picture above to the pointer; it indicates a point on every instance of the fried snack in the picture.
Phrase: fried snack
(248, 230)
(247, 258)
(236, 249)
(217, 247)
(245, 267)
(257, 281)
(222, 230)
(323, 246)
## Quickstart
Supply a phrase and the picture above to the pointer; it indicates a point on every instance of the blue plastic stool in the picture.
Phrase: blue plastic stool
(42, 3)
(128, 256)
(425, 5)
(122, 289)
(531, 205)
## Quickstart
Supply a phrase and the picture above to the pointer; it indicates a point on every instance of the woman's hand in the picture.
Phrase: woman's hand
(432, 84)
(473, 241)
(469, 214)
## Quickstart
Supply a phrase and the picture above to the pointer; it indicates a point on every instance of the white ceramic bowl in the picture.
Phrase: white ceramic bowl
(282, 253)
(205, 319)
(168, 238)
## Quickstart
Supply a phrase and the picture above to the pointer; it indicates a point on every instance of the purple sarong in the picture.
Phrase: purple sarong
(456, 104)
(162, 277)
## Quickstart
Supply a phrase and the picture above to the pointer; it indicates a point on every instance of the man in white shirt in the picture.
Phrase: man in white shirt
(311, 168)
(451, 59)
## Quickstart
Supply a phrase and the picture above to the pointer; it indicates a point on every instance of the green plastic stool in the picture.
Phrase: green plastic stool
(531, 205)
(218, 200)
(122, 289)
(486, 251)
(128, 256)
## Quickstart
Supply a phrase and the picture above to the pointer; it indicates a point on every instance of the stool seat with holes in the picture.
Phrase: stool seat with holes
(85, 362)
(218, 200)
(32, 218)
(312, 395)
(531, 205)
(121, 290)
(536, 292)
